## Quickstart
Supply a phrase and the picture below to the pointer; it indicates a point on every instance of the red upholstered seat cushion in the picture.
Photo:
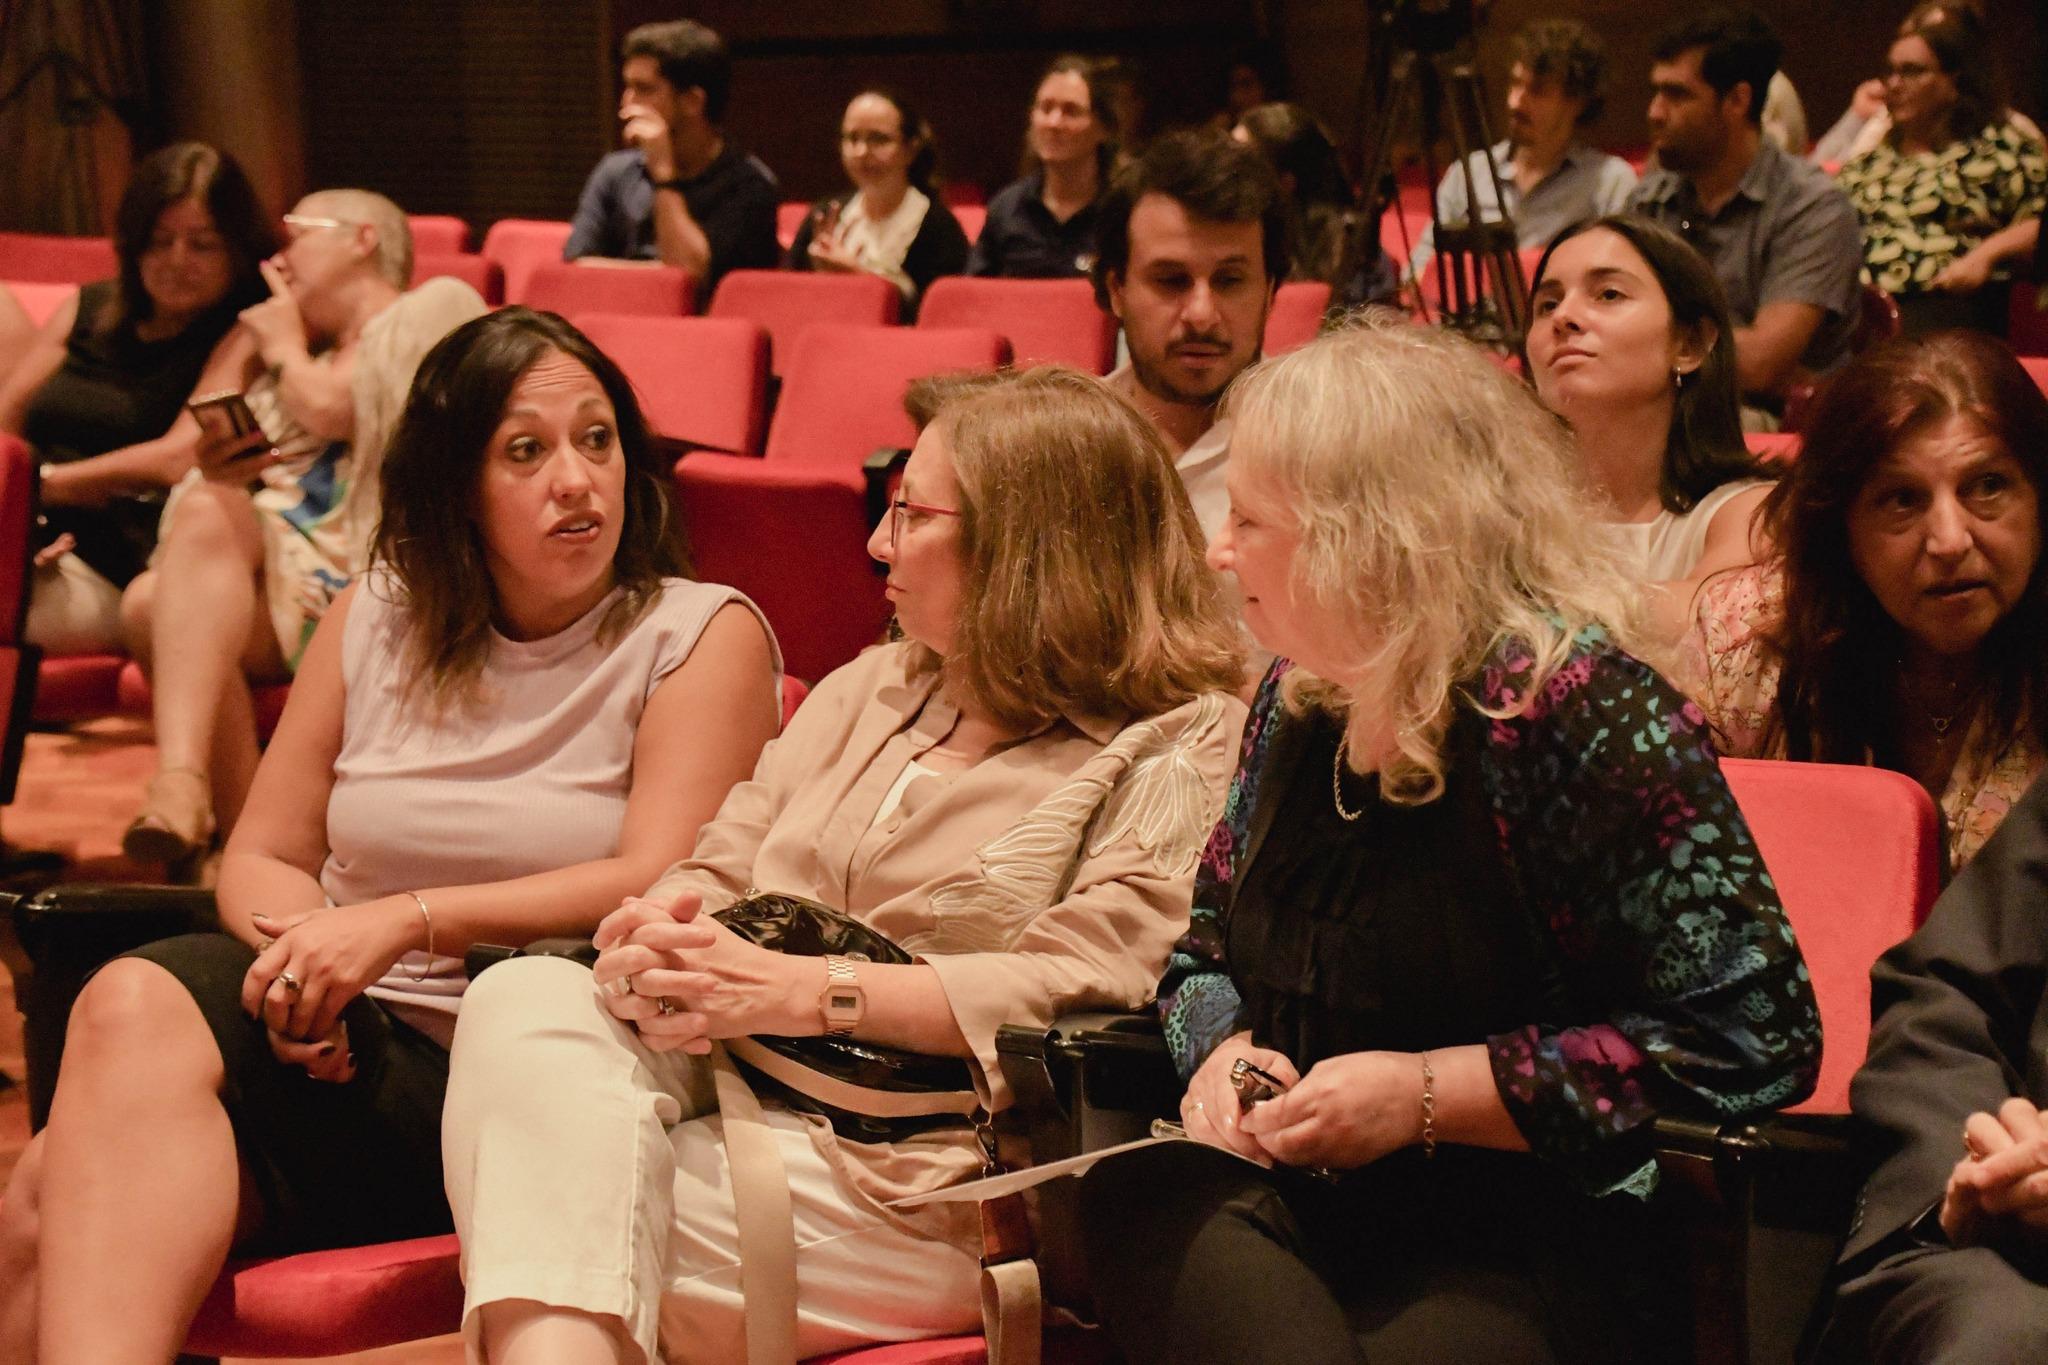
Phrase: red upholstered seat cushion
(329, 1302)
(78, 686)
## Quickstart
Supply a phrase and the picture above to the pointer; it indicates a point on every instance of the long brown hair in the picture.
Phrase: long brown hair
(1835, 641)
(428, 537)
(1085, 587)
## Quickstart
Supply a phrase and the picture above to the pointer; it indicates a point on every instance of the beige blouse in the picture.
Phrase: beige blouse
(1052, 876)
(1729, 668)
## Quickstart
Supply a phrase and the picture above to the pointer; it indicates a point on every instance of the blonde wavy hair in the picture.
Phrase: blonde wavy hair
(1440, 517)
(1085, 588)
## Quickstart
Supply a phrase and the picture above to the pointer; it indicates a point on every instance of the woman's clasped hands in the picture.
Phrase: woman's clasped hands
(683, 979)
(1348, 1111)
(308, 969)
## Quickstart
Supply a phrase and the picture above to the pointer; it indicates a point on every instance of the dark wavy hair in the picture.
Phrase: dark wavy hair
(170, 175)
(1216, 178)
(915, 128)
(1835, 641)
(1736, 48)
(1705, 449)
(1297, 144)
(689, 54)
(428, 536)
(1569, 53)
(1956, 35)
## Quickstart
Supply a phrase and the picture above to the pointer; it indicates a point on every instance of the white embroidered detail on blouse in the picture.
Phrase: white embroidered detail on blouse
(1142, 787)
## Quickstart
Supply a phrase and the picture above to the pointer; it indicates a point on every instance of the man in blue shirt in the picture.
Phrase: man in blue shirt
(680, 192)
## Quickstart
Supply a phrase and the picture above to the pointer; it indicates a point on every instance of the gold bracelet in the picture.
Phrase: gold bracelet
(421, 901)
(1428, 1109)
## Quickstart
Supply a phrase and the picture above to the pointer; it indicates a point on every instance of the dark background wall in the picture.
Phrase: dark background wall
(497, 108)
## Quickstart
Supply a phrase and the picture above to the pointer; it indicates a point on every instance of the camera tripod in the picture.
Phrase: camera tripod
(1433, 89)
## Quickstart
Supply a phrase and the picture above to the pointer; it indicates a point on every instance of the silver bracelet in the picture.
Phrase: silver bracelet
(422, 973)
(1428, 1109)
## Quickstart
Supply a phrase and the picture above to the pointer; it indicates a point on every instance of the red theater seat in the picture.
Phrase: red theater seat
(480, 273)
(789, 220)
(519, 244)
(325, 1303)
(40, 258)
(973, 218)
(40, 299)
(574, 287)
(786, 302)
(703, 382)
(1773, 447)
(1296, 316)
(437, 234)
(2037, 366)
(790, 530)
(1854, 855)
(1044, 320)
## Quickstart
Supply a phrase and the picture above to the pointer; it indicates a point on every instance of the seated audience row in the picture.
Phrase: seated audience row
(1441, 725)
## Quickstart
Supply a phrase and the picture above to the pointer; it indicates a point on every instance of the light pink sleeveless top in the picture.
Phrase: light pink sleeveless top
(531, 779)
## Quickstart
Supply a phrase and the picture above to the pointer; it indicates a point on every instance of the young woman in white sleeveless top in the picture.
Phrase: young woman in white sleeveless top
(521, 716)
(1631, 344)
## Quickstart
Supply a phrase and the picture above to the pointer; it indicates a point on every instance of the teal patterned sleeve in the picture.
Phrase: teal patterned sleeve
(1197, 1003)
(1640, 869)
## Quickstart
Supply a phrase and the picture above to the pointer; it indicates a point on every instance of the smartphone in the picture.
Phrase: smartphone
(226, 415)
(1253, 1084)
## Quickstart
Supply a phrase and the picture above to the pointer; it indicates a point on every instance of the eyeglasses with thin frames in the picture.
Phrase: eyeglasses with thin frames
(901, 505)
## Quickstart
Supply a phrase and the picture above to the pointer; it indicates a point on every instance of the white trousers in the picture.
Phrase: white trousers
(588, 1172)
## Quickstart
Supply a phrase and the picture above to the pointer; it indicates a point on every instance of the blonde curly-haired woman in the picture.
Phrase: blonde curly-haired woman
(1015, 794)
(1479, 910)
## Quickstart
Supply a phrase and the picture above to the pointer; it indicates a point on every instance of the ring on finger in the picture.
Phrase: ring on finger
(1197, 1105)
(619, 987)
(291, 983)
(664, 1005)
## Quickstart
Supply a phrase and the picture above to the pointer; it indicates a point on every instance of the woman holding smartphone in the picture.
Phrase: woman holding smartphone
(893, 224)
(98, 394)
(1480, 907)
(271, 526)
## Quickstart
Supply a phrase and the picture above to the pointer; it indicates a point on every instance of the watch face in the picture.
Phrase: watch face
(842, 1002)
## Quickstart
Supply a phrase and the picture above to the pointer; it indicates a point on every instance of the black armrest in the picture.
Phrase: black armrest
(482, 955)
(66, 933)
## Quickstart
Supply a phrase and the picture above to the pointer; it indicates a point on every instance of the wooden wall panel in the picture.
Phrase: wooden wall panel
(485, 109)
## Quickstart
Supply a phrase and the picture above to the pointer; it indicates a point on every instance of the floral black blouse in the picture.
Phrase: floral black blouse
(1641, 895)
(1921, 212)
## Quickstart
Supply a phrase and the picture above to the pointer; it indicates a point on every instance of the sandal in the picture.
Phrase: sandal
(176, 820)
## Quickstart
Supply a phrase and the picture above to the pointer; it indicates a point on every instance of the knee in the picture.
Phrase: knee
(21, 1211)
(131, 1004)
(520, 1011)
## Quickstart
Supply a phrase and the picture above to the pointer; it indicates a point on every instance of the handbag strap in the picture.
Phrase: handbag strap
(858, 1099)
(1012, 1303)
(761, 1208)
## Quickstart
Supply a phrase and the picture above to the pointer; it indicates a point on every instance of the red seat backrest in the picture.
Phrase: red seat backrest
(40, 299)
(1054, 321)
(973, 218)
(787, 302)
(1854, 855)
(703, 382)
(17, 512)
(1773, 447)
(1296, 315)
(2037, 366)
(576, 287)
(789, 219)
(437, 234)
(45, 259)
(519, 244)
(480, 273)
(842, 394)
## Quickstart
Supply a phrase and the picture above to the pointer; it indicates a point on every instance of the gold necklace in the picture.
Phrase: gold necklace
(1936, 721)
(1350, 817)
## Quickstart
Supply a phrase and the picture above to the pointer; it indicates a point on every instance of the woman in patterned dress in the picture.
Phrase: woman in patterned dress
(1480, 904)
(1955, 190)
(1900, 622)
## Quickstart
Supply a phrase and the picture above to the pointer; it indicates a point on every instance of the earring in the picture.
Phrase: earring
(1678, 377)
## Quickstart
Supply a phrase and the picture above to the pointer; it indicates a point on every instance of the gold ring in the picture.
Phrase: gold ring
(619, 987)
(289, 982)
(665, 1005)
